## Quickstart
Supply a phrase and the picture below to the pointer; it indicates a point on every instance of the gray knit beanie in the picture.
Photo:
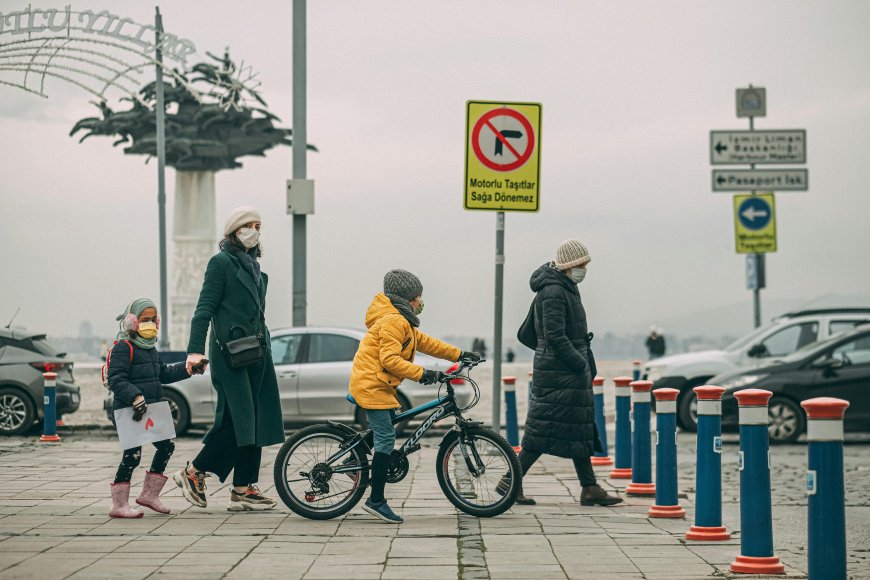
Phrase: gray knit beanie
(571, 253)
(402, 283)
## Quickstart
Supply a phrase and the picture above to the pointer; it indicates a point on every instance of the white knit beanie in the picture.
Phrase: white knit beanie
(570, 254)
(244, 214)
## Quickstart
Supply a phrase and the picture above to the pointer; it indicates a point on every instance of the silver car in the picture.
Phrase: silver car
(313, 365)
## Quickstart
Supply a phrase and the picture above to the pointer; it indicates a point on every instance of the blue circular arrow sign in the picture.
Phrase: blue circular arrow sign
(754, 213)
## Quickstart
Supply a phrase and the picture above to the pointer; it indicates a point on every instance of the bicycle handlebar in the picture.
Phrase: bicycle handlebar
(463, 365)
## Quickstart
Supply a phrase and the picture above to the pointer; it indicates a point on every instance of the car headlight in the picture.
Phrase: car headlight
(741, 381)
(653, 373)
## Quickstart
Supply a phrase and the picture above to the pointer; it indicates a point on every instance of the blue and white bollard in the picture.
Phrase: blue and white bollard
(635, 371)
(756, 517)
(622, 466)
(641, 448)
(49, 408)
(600, 457)
(510, 411)
(667, 495)
(708, 474)
(825, 487)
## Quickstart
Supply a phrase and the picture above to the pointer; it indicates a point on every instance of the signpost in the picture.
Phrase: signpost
(502, 173)
(755, 215)
(755, 179)
(772, 146)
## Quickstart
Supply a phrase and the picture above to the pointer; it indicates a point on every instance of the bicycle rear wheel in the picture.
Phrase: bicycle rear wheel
(496, 484)
(308, 485)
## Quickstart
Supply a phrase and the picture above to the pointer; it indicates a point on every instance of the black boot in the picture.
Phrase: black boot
(503, 487)
(595, 495)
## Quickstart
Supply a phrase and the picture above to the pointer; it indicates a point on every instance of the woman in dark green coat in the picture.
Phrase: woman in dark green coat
(248, 414)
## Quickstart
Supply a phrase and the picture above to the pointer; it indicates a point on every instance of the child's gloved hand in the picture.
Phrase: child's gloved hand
(139, 408)
(193, 359)
(468, 356)
(431, 377)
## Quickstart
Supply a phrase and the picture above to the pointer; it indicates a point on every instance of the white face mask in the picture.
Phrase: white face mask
(249, 237)
(577, 275)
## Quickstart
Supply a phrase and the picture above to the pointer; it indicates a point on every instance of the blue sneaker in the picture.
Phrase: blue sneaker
(382, 511)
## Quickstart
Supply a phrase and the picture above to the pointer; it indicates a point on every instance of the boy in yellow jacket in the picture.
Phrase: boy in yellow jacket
(384, 359)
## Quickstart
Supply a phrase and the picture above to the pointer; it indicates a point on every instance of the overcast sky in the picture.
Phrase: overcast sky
(630, 91)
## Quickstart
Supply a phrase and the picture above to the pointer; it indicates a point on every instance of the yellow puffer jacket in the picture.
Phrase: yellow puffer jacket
(386, 355)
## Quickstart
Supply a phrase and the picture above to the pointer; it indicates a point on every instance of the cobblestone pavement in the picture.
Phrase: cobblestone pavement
(54, 501)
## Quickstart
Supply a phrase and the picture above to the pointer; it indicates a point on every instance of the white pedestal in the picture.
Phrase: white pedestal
(195, 237)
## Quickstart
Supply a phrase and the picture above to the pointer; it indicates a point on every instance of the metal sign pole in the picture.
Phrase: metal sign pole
(756, 291)
(161, 179)
(299, 161)
(496, 339)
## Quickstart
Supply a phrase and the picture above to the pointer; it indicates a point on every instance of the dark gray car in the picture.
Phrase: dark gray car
(24, 356)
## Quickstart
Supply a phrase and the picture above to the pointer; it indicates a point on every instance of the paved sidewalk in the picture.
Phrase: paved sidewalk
(53, 524)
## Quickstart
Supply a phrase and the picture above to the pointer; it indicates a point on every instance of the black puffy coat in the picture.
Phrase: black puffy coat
(143, 375)
(560, 420)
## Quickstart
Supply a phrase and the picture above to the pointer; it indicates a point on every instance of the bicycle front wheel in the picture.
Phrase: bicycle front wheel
(479, 472)
(311, 486)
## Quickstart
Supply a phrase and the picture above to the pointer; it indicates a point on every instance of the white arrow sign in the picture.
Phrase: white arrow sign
(751, 213)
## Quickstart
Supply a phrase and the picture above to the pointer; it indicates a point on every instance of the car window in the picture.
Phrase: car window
(791, 338)
(838, 326)
(33, 344)
(285, 348)
(331, 348)
(854, 352)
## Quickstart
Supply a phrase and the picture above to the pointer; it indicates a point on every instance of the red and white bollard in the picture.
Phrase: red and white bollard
(667, 490)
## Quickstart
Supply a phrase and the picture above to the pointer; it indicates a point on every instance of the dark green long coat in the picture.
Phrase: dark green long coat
(232, 299)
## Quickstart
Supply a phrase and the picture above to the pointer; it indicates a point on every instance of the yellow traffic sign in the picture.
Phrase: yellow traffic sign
(502, 156)
(755, 223)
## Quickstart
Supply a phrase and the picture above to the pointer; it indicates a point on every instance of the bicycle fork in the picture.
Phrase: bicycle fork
(475, 467)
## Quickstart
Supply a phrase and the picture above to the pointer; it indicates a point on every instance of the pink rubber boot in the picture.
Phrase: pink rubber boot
(120, 506)
(150, 496)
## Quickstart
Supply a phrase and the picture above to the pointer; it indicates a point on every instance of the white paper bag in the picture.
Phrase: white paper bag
(156, 425)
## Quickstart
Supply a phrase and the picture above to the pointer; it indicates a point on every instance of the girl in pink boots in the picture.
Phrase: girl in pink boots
(135, 374)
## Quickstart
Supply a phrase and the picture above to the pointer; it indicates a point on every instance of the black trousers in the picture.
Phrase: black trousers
(132, 457)
(583, 467)
(220, 455)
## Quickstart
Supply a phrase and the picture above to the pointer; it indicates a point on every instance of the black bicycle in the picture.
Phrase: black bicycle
(322, 471)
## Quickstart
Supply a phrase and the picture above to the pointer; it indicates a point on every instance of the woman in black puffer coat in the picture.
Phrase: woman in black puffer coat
(560, 420)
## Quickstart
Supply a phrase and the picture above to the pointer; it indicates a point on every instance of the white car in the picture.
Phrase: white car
(313, 366)
(783, 336)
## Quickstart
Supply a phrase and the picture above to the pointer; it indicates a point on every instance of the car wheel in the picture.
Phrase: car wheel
(17, 412)
(180, 411)
(688, 411)
(786, 420)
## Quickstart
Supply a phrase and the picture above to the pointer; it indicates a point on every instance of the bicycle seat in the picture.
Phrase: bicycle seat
(351, 400)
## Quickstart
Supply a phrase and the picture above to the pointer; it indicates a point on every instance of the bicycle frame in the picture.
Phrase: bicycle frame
(444, 406)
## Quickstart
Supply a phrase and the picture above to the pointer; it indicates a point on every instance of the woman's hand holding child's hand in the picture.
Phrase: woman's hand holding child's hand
(192, 360)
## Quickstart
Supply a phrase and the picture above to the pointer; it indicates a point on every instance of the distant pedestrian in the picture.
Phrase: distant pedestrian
(481, 348)
(248, 412)
(560, 418)
(136, 375)
(385, 358)
(510, 355)
(655, 343)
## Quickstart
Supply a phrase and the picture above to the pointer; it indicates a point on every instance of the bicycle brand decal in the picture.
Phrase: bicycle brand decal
(423, 428)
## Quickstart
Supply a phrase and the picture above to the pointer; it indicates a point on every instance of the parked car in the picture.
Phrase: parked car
(783, 336)
(836, 367)
(313, 365)
(24, 356)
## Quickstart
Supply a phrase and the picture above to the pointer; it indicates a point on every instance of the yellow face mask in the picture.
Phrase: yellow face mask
(147, 330)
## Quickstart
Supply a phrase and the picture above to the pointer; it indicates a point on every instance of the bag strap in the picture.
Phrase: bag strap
(130, 344)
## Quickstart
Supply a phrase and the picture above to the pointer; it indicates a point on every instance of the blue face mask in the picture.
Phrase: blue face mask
(577, 275)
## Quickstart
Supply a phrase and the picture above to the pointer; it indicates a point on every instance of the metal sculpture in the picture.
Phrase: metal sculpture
(207, 130)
